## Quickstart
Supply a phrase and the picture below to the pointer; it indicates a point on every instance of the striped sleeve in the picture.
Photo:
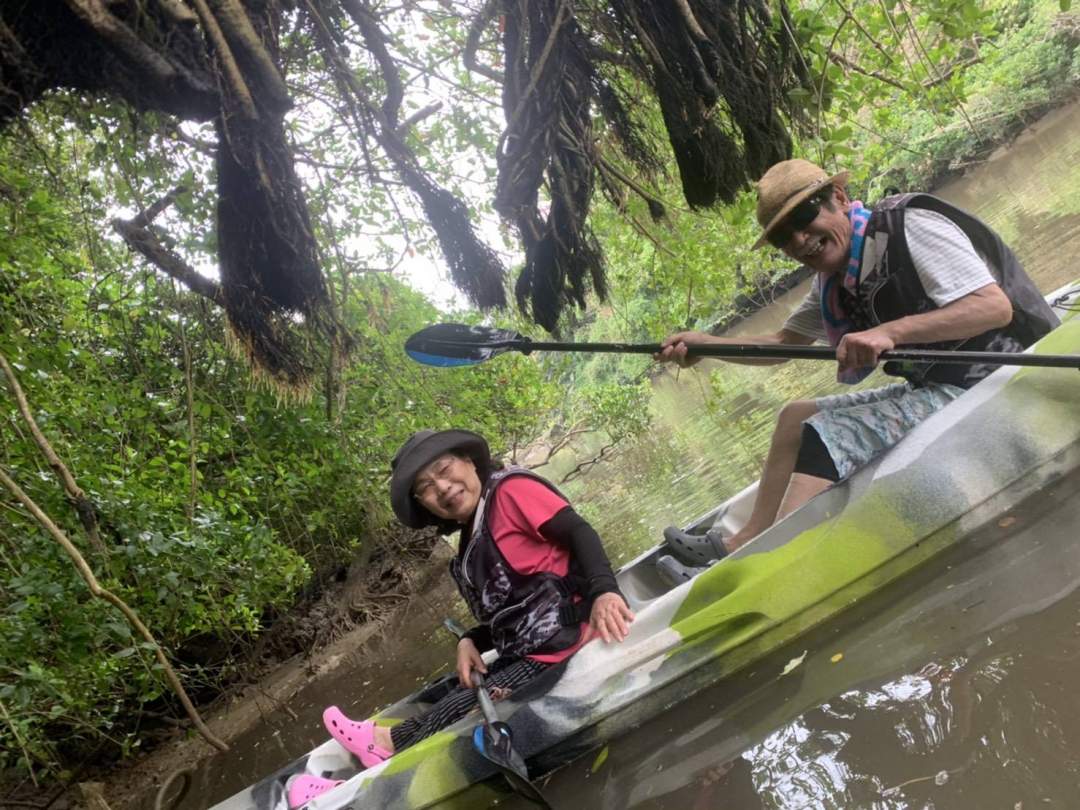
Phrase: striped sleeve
(806, 318)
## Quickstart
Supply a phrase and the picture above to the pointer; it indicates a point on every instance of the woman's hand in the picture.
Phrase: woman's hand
(468, 659)
(610, 617)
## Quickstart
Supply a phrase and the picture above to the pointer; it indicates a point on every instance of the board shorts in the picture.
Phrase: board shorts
(859, 426)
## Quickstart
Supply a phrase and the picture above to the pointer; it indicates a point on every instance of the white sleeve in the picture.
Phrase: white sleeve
(806, 319)
(947, 264)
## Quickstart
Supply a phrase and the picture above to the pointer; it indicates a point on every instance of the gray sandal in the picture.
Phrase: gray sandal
(695, 549)
(673, 573)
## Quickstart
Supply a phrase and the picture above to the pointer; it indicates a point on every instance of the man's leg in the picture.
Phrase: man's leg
(776, 475)
(802, 488)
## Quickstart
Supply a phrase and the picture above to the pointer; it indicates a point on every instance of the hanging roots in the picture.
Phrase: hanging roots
(549, 141)
(720, 73)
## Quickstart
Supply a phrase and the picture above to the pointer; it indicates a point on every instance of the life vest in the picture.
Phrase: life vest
(889, 288)
(527, 613)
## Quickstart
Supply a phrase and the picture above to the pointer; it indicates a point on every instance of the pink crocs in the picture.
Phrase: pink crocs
(305, 787)
(356, 738)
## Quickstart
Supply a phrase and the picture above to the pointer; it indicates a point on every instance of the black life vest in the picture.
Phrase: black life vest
(889, 288)
(527, 613)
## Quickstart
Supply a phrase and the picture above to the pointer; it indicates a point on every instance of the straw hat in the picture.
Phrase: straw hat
(784, 186)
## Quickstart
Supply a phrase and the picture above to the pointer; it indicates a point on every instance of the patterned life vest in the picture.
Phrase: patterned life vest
(527, 613)
(889, 288)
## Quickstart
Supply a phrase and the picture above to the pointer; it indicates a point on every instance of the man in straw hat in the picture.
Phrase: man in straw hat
(911, 271)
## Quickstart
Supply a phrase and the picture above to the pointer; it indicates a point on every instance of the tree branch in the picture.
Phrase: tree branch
(123, 39)
(375, 40)
(22, 745)
(84, 507)
(234, 78)
(855, 21)
(951, 69)
(588, 463)
(691, 21)
(873, 74)
(143, 241)
(236, 26)
(403, 128)
(472, 42)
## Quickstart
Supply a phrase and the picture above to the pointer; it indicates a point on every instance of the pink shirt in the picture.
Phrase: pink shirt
(522, 505)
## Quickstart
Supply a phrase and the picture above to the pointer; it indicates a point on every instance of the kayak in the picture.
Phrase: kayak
(994, 446)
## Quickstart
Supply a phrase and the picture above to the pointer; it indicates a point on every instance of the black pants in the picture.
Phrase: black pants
(506, 673)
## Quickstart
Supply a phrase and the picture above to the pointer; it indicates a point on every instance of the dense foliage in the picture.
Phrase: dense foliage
(217, 501)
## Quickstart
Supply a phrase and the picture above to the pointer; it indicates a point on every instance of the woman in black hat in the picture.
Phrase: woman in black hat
(532, 571)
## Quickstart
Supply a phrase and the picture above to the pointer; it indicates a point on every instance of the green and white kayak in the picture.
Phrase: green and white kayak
(997, 444)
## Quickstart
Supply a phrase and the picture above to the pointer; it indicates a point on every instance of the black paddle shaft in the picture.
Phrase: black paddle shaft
(787, 352)
(449, 344)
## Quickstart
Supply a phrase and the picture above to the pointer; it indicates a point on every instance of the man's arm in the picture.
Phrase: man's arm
(977, 312)
(674, 346)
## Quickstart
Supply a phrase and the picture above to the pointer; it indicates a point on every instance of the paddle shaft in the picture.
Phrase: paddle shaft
(753, 351)
(487, 705)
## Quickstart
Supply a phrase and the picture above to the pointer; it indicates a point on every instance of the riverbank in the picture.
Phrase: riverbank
(366, 604)
(273, 698)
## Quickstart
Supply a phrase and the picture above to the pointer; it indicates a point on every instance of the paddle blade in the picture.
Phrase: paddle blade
(457, 344)
(493, 741)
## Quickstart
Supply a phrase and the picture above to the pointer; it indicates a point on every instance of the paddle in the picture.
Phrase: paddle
(456, 344)
(493, 740)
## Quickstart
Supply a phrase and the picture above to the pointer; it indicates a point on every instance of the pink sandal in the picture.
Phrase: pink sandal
(304, 788)
(356, 738)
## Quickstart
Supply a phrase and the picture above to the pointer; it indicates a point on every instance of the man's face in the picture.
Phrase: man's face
(824, 244)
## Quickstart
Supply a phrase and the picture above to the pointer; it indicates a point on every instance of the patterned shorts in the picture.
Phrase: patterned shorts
(857, 427)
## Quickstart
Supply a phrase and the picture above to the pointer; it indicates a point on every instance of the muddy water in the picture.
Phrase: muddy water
(954, 689)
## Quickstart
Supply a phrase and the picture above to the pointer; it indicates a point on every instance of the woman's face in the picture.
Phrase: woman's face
(448, 487)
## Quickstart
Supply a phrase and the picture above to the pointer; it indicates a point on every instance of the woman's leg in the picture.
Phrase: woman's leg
(776, 475)
(457, 704)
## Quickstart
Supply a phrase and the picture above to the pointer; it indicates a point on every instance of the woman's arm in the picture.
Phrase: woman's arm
(609, 616)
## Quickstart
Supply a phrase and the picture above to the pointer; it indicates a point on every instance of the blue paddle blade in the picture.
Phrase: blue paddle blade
(456, 344)
(493, 742)
(439, 360)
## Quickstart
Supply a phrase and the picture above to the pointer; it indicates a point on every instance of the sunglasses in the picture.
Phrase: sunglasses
(799, 218)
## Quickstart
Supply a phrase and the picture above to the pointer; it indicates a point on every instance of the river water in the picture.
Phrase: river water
(955, 688)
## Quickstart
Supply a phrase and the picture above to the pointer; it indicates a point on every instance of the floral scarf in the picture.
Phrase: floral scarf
(833, 316)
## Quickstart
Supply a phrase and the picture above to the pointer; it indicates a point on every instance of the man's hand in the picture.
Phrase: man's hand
(673, 348)
(862, 349)
(610, 617)
(468, 659)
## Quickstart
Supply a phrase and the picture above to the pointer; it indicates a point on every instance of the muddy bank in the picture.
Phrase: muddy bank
(352, 613)
(269, 699)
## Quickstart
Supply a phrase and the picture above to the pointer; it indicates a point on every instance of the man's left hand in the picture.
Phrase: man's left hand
(862, 349)
(610, 617)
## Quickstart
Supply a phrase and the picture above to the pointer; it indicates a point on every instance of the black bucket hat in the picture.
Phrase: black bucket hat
(419, 450)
